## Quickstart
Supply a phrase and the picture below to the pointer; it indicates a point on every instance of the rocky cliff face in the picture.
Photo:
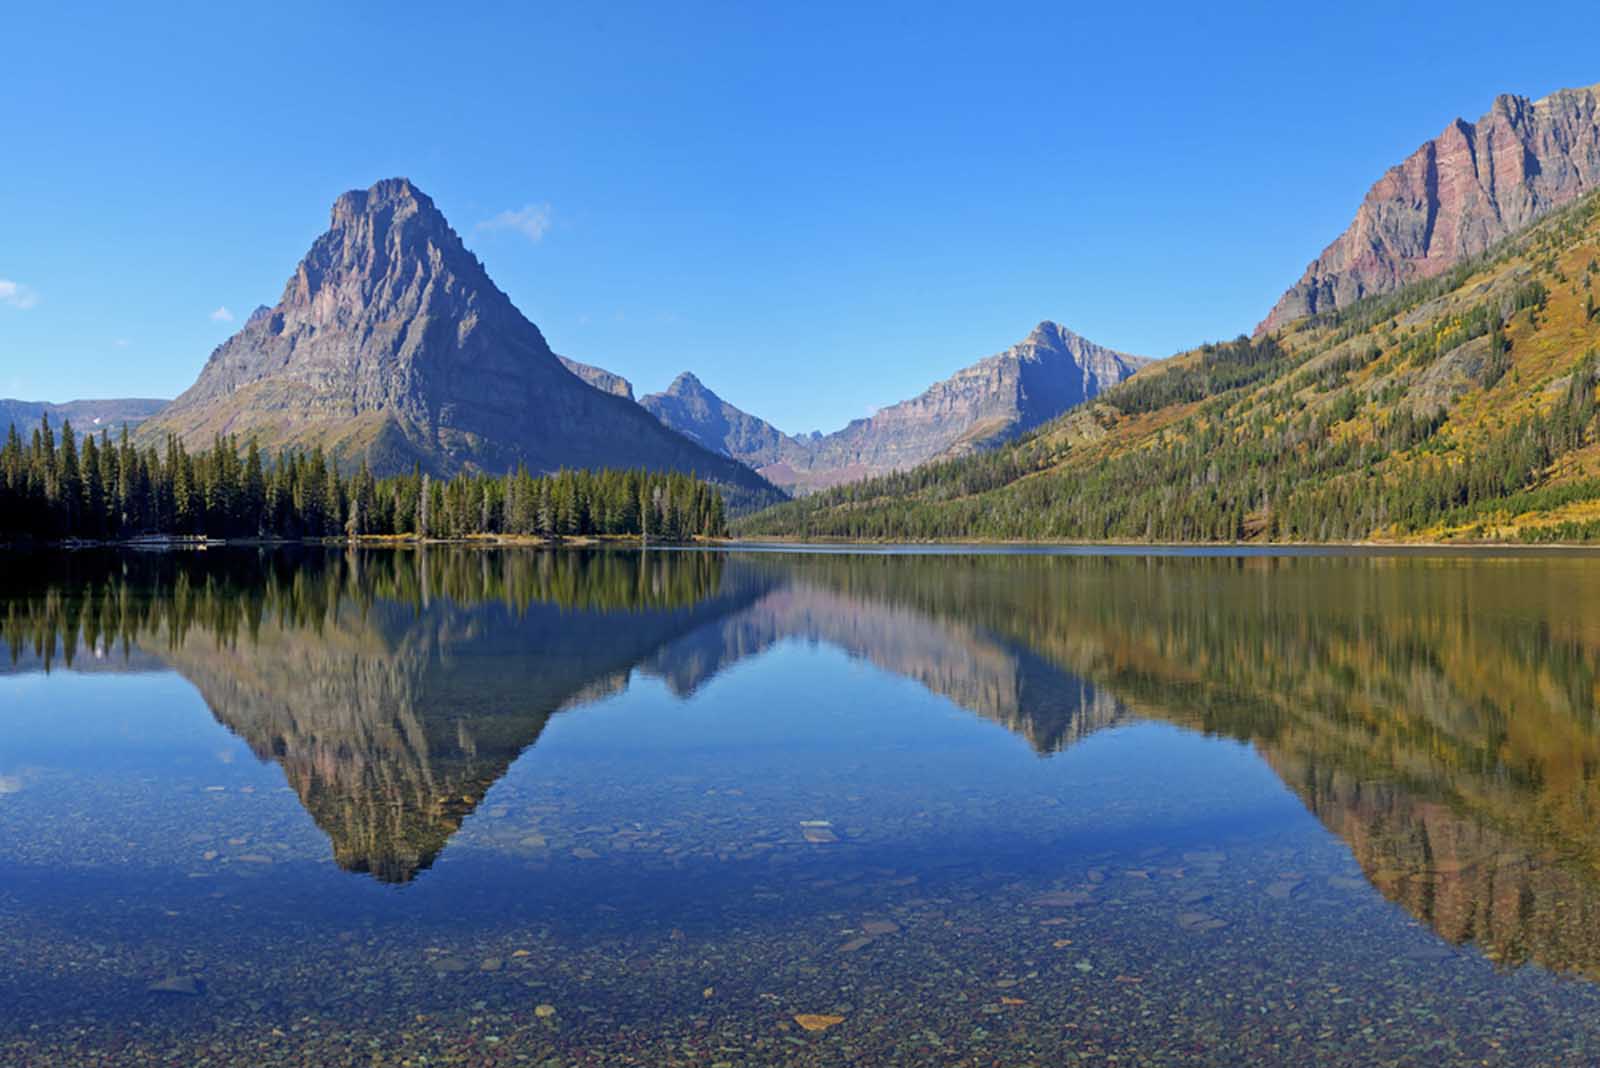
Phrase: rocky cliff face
(691, 409)
(392, 344)
(1454, 197)
(994, 400)
(599, 378)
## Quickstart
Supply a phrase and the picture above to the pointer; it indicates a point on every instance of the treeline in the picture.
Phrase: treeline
(55, 487)
(106, 602)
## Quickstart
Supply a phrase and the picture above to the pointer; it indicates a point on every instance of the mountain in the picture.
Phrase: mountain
(391, 344)
(980, 406)
(85, 415)
(1454, 197)
(599, 378)
(1459, 408)
(691, 409)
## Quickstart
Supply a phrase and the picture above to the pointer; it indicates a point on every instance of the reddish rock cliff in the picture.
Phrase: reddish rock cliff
(1454, 197)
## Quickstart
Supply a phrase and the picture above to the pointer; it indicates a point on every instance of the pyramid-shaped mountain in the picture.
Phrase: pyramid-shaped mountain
(391, 344)
(693, 410)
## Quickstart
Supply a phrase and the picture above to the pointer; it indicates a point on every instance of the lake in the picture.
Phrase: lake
(718, 808)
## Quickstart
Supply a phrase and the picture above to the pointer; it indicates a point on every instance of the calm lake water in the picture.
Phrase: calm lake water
(751, 808)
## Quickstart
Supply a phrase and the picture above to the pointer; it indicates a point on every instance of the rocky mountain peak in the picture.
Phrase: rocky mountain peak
(687, 383)
(389, 253)
(1454, 197)
(396, 195)
(392, 344)
(1048, 332)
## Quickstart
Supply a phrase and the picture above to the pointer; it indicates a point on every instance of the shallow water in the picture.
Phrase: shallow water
(566, 808)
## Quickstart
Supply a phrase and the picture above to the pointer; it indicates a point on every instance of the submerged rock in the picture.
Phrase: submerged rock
(1282, 889)
(179, 985)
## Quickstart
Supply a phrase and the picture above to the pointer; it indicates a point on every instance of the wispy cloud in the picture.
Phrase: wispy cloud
(222, 315)
(531, 221)
(17, 295)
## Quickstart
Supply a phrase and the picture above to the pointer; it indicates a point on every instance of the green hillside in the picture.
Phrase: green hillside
(1461, 408)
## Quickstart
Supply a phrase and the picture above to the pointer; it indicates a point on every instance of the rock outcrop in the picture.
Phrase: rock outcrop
(1454, 197)
(599, 378)
(391, 344)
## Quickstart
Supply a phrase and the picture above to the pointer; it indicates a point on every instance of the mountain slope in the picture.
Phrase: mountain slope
(691, 409)
(1460, 408)
(992, 401)
(391, 344)
(1048, 372)
(1454, 197)
(86, 415)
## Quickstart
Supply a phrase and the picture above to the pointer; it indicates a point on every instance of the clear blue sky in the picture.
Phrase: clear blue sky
(818, 208)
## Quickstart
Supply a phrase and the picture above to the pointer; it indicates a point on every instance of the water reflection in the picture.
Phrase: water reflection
(393, 689)
(1439, 716)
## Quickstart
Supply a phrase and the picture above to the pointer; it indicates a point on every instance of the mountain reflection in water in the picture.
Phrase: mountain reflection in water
(1437, 714)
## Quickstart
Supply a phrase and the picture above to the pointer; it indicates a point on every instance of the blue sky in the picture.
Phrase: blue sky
(818, 208)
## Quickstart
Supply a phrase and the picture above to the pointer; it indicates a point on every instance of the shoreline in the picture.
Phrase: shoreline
(166, 543)
(1247, 546)
(776, 544)
(1192, 548)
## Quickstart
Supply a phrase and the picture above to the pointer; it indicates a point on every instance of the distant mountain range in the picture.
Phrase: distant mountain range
(986, 404)
(392, 345)
(85, 415)
(1454, 197)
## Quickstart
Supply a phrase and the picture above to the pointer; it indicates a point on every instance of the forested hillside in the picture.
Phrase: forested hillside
(1460, 408)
